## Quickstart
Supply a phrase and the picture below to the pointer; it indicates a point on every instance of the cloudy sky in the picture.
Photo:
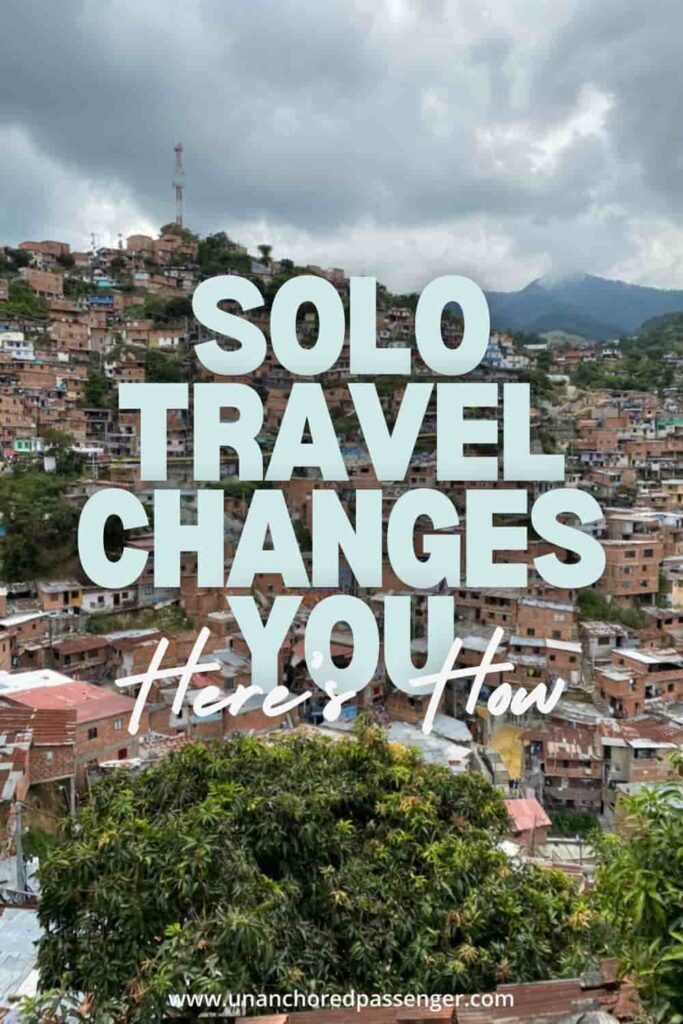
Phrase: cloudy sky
(401, 138)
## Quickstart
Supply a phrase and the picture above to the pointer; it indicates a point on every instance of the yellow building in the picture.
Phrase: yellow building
(58, 595)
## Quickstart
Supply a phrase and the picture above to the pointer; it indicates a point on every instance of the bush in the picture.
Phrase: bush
(571, 823)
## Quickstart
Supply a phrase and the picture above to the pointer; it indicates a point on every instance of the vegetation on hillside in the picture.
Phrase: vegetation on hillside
(657, 336)
(636, 372)
(22, 302)
(39, 526)
(166, 367)
(161, 310)
(168, 620)
(217, 254)
(177, 229)
(12, 260)
(592, 605)
(97, 393)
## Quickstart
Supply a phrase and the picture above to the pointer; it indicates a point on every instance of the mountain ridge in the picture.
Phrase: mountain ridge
(594, 307)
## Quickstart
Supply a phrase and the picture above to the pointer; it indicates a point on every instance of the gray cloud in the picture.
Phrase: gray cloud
(399, 138)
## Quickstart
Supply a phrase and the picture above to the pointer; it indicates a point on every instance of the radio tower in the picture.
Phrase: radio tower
(179, 183)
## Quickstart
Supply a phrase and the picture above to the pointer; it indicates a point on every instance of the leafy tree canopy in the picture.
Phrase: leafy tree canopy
(59, 443)
(176, 229)
(160, 309)
(640, 886)
(162, 368)
(218, 254)
(12, 260)
(297, 863)
(97, 391)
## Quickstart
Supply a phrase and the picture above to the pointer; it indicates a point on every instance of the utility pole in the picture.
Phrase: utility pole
(19, 851)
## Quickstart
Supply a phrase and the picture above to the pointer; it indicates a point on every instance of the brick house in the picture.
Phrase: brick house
(56, 595)
(101, 715)
(42, 282)
(631, 570)
(636, 676)
(82, 657)
(570, 761)
(52, 743)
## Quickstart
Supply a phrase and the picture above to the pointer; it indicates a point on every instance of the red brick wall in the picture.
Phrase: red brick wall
(109, 740)
(51, 762)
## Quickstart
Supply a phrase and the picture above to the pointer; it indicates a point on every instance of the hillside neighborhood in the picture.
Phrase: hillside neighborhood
(74, 325)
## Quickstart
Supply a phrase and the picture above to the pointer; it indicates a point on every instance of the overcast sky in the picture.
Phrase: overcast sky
(399, 138)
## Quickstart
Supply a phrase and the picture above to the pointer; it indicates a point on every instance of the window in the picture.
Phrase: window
(530, 631)
(118, 724)
(92, 733)
(48, 755)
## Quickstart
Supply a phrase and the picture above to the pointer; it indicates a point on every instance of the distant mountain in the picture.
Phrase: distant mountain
(593, 307)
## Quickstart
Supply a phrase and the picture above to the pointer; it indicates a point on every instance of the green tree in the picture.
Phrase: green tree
(217, 254)
(117, 265)
(544, 360)
(640, 888)
(179, 307)
(97, 392)
(176, 229)
(307, 863)
(60, 444)
(162, 368)
(17, 258)
(77, 288)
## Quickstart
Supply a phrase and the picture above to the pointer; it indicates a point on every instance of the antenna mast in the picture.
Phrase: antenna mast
(179, 183)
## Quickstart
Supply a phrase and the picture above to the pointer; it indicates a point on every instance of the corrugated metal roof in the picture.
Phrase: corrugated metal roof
(89, 702)
(19, 931)
(49, 727)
